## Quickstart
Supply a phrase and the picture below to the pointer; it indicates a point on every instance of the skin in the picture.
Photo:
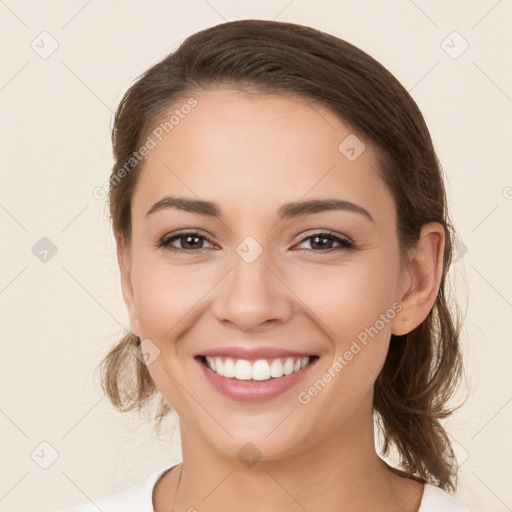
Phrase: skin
(251, 153)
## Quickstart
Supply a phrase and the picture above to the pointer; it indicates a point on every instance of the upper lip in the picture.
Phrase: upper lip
(252, 354)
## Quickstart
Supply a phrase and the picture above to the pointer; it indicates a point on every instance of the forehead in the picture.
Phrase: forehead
(252, 150)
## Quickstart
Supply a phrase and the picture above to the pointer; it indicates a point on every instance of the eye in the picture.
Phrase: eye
(324, 240)
(189, 241)
(192, 241)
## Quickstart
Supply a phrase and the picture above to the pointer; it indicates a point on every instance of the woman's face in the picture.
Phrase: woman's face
(263, 272)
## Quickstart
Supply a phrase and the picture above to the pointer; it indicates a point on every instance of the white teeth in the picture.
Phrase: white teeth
(243, 370)
(229, 369)
(288, 366)
(262, 369)
(276, 369)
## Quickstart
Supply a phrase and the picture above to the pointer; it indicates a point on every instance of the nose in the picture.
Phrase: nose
(253, 295)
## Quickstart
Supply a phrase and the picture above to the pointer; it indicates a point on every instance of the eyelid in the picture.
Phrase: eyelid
(345, 243)
(333, 234)
(165, 241)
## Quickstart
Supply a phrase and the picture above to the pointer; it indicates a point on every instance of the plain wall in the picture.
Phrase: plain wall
(59, 317)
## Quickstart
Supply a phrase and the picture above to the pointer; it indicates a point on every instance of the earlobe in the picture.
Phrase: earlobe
(124, 261)
(424, 272)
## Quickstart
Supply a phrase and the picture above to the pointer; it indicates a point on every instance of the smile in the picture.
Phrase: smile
(260, 370)
(254, 380)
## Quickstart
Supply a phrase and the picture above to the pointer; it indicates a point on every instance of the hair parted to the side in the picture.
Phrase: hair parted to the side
(423, 367)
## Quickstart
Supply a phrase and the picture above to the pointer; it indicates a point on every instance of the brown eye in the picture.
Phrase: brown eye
(188, 242)
(323, 242)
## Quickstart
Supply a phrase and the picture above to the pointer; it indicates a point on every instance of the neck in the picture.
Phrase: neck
(340, 472)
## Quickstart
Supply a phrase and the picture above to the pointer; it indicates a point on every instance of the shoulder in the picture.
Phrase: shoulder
(437, 500)
(137, 498)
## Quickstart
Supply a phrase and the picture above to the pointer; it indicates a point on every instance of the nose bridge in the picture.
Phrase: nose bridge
(251, 265)
(252, 294)
(251, 269)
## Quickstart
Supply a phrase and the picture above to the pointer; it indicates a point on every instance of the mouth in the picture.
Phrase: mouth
(254, 380)
(257, 370)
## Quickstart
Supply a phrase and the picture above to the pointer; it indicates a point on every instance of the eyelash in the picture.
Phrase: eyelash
(346, 244)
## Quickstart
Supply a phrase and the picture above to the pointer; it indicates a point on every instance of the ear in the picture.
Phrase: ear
(124, 261)
(421, 279)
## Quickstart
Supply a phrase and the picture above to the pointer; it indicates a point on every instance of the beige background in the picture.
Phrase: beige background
(59, 317)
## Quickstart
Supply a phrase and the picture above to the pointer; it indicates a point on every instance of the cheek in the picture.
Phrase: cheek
(356, 305)
(166, 297)
(348, 298)
(169, 304)
(356, 311)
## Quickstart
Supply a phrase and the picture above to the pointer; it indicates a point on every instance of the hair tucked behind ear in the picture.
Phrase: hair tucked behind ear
(411, 393)
(422, 367)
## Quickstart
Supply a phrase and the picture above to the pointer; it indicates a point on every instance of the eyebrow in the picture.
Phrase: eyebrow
(286, 211)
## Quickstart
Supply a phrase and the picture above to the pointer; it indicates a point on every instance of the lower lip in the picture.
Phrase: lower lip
(252, 390)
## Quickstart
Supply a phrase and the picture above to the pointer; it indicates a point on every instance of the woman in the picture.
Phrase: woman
(283, 240)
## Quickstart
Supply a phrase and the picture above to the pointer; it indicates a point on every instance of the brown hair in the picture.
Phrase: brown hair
(422, 367)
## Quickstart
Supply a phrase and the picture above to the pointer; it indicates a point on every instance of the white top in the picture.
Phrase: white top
(139, 498)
